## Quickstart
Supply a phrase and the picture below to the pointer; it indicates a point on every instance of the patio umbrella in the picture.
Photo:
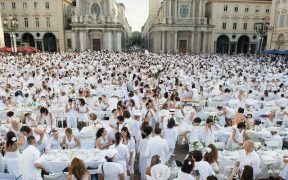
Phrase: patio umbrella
(5, 49)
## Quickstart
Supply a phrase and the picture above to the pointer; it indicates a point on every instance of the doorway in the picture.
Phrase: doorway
(183, 46)
(96, 45)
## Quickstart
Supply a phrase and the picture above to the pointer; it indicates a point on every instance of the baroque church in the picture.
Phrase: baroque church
(99, 25)
(177, 26)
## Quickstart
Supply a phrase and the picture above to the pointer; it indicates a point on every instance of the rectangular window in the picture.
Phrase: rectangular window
(24, 5)
(26, 23)
(267, 10)
(35, 5)
(13, 5)
(47, 5)
(48, 22)
(224, 25)
(257, 9)
(246, 9)
(69, 43)
(2, 5)
(245, 26)
(236, 8)
(234, 26)
(37, 24)
(225, 8)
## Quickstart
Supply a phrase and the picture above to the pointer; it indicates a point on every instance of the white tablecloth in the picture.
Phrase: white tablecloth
(57, 161)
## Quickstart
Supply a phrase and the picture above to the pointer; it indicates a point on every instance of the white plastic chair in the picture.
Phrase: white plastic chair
(4, 176)
(227, 171)
(56, 176)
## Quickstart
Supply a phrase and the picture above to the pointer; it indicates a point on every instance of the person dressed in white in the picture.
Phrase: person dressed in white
(203, 167)
(110, 169)
(129, 141)
(185, 173)
(70, 141)
(147, 130)
(46, 118)
(237, 137)
(71, 114)
(284, 172)
(170, 134)
(209, 131)
(31, 163)
(122, 156)
(193, 132)
(83, 112)
(157, 146)
(248, 156)
(54, 141)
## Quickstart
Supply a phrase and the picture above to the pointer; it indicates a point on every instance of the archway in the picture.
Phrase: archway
(243, 45)
(7, 40)
(222, 46)
(280, 42)
(50, 43)
(28, 39)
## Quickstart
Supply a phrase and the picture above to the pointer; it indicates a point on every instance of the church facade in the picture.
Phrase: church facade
(98, 25)
(177, 26)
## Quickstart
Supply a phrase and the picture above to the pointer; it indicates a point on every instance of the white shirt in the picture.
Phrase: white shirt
(156, 146)
(122, 155)
(204, 169)
(251, 159)
(111, 170)
(170, 134)
(30, 156)
(284, 173)
(184, 176)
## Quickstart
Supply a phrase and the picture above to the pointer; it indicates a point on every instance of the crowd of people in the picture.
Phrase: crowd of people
(156, 102)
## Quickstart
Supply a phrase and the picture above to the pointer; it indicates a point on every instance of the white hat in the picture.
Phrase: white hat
(160, 171)
(110, 153)
(137, 113)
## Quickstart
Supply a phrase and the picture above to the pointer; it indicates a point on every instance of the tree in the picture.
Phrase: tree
(136, 38)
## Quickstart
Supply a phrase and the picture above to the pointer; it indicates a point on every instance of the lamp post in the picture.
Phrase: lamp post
(11, 24)
(261, 28)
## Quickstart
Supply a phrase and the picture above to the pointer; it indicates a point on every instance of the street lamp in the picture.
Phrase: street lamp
(11, 24)
(261, 28)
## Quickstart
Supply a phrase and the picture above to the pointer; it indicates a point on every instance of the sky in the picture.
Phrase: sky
(136, 12)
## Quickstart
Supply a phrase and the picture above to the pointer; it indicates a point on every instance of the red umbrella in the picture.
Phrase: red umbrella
(5, 49)
(21, 49)
(32, 49)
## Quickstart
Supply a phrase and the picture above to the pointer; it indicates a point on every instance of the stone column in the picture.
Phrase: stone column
(209, 42)
(200, 8)
(175, 41)
(205, 42)
(176, 9)
(164, 12)
(109, 40)
(74, 40)
(163, 42)
(198, 42)
(194, 8)
(119, 42)
(192, 42)
(168, 46)
(170, 11)
(82, 41)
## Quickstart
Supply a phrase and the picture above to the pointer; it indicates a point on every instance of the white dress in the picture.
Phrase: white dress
(170, 134)
(71, 117)
(13, 161)
(82, 117)
(142, 159)
(71, 144)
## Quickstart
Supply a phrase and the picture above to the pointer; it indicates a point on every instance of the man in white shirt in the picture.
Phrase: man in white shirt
(203, 167)
(156, 146)
(248, 156)
(31, 161)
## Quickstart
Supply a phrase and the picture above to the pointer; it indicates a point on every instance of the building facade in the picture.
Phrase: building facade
(234, 31)
(98, 25)
(2, 41)
(278, 31)
(177, 26)
(41, 22)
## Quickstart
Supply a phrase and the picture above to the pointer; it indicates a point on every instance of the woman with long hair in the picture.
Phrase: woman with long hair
(12, 155)
(170, 134)
(247, 173)
(83, 111)
(129, 141)
(102, 140)
(154, 160)
(211, 156)
(78, 171)
(70, 141)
